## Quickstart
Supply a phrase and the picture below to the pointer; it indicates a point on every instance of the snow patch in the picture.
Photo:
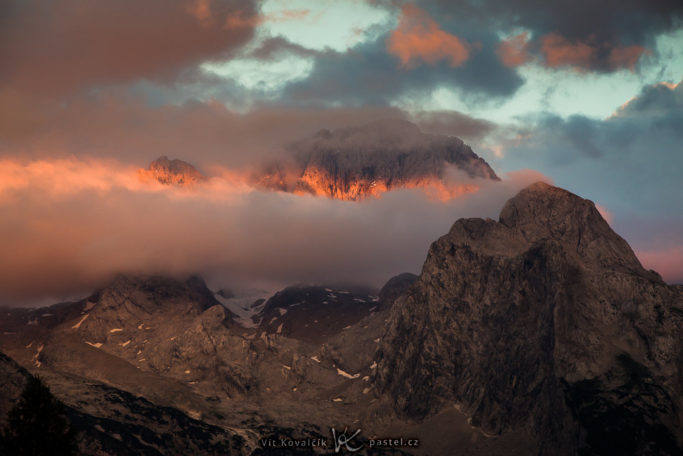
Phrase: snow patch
(115, 330)
(96, 344)
(243, 307)
(373, 365)
(125, 343)
(80, 322)
(315, 358)
(346, 374)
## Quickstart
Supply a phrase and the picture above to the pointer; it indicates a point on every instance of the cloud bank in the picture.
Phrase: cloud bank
(72, 224)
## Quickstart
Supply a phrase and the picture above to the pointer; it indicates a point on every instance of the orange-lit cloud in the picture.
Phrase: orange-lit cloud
(70, 224)
(418, 38)
(626, 56)
(513, 52)
(201, 10)
(558, 51)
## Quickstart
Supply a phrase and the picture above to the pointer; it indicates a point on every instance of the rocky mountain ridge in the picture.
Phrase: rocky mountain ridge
(543, 322)
(539, 333)
(354, 163)
(171, 172)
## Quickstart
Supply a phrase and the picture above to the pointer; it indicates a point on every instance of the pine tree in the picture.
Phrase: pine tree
(37, 425)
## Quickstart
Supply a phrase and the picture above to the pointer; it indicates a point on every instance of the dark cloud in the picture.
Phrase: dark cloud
(604, 35)
(367, 73)
(57, 46)
(655, 99)
(116, 124)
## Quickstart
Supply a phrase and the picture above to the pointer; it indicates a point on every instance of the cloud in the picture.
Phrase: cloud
(116, 124)
(368, 74)
(419, 38)
(71, 224)
(453, 123)
(626, 56)
(659, 99)
(52, 47)
(558, 51)
(513, 51)
(597, 36)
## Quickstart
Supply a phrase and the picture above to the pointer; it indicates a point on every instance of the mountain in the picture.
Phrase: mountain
(358, 162)
(539, 333)
(152, 348)
(171, 172)
(541, 324)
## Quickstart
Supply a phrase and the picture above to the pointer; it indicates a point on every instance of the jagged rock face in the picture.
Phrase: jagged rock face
(169, 327)
(395, 288)
(545, 322)
(357, 162)
(172, 172)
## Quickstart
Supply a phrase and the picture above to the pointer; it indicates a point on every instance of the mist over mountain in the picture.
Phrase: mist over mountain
(539, 333)
(354, 163)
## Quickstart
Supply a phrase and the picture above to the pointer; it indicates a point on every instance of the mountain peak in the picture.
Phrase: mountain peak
(543, 321)
(172, 172)
(542, 212)
(357, 162)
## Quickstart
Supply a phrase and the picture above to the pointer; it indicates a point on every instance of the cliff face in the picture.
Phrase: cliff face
(543, 323)
(358, 162)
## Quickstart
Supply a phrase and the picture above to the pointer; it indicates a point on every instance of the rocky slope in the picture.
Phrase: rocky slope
(543, 324)
(146, 347)
(357, 162)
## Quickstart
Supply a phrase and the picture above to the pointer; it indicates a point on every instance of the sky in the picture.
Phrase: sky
(586, 95)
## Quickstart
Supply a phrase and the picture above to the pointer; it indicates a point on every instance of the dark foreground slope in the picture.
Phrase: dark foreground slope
(544, 324)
